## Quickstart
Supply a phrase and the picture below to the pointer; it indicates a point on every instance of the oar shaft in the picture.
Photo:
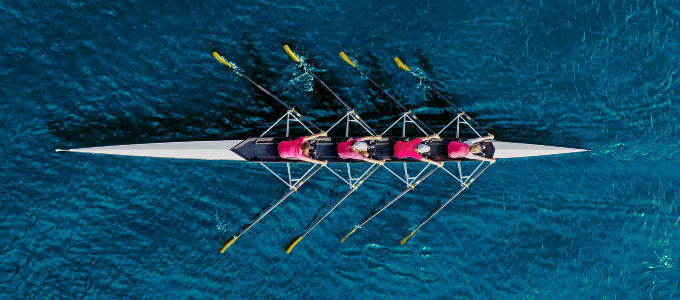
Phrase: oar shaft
(443, 205)
(326, 86)
(385, 206)
(262, 88)
(399, 196)
(480, 173)
(401, 65)
(386, 93)
(220, 59)
(399, 104)
(296, 186)
(306, 69)
(458, 109)
(276, 98)
(344, 56)
(440, 208)
(339, 202)
(328, 212)
(338, 98)
(265, 213)
(450, 199)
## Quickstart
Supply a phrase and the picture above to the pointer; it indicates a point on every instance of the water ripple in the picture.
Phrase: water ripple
(586, 74)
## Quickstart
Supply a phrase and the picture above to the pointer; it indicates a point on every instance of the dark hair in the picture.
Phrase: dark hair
(475, 149)
(305, 148)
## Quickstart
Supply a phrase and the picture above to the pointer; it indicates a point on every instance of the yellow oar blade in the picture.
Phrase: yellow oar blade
(229, 242)
(291, 54)
(343, 239)
(400, 64)
(406, 238)
(293, 245)
(219, 58)
(344, 56)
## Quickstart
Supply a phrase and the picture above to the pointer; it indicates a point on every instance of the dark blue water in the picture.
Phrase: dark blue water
(595, 75)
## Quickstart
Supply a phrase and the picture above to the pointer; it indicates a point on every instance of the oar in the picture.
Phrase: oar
(294, 189)
(344, 56)
(307, 70)
(332, 208)
(233, 67)
(410, 188)
(465, 186)
(403, 66)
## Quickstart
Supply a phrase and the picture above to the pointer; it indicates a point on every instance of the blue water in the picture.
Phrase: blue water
(595, 75)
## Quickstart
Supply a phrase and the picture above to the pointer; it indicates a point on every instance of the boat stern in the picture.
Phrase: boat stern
(208, 150)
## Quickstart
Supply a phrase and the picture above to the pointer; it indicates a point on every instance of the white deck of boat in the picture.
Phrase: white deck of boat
(209, 150)
(220, 150)
(516, 150)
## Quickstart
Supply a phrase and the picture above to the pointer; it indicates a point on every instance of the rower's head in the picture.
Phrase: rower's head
(361, 148)
(305, 148)
(475, 149)
(422, 148)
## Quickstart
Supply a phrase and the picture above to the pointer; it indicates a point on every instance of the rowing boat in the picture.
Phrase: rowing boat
(264, 149)
(258, 149)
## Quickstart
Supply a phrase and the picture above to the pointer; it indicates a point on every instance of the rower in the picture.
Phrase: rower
(414, 149)
(470, 149)
(299, 149)
(358, 149)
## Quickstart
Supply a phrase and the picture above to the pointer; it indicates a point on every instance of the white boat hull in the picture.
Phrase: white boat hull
(221, 150)
(205, 150)
(517, 150)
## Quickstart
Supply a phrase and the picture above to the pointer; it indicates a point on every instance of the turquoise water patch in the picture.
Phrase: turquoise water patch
(585, 74)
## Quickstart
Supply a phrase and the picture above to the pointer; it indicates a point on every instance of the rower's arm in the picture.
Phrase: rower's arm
(429, 161)
(313, 136)
(480, 139)
(374, 161)
(316, 161)
(369, 138)
(434, 136)
(477, 157)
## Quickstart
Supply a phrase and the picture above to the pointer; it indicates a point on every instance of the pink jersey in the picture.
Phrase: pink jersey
(458, 150)
(345, 150)
(407, 149)
(292, 149)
